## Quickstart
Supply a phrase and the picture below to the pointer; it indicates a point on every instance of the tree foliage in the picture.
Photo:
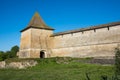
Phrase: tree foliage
(9, 54)
(117, 61)
(13, 52)
(1, 55)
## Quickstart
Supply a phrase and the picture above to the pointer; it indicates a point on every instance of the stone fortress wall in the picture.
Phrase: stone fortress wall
(39, 41)
(25, 44)
(33, 41)
(90, 43)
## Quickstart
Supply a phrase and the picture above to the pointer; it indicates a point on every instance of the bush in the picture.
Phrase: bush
(1, 55)
(13, 52)
(117, 61)
(9, 54)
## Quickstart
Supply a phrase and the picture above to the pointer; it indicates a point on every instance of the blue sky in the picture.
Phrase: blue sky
(62, 15)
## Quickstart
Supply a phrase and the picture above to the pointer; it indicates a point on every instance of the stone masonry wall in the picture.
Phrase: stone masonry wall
(33, 41)
(40, 40)
(93, 43)
(25, 44)
(25, 39)
(17, 65)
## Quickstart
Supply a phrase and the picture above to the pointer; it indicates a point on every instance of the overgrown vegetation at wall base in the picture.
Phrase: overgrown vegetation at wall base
(116, 75)
(58, 69)
(117, 62)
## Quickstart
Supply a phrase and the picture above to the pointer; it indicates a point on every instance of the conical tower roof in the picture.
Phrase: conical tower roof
(37, 22)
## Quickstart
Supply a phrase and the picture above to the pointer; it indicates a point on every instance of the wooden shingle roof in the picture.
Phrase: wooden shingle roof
(37, 22)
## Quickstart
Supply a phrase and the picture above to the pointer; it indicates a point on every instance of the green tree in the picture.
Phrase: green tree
(9, 54)
(13, 52)
(1, 55)
(4, 55)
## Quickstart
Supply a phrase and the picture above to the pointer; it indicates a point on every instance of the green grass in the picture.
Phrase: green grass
(57, 69)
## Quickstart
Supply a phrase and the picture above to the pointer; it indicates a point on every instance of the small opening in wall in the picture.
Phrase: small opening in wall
(42, 54)
(108, 28)
(82, 32)
(71, 34)
(94, 30)
(62, 36)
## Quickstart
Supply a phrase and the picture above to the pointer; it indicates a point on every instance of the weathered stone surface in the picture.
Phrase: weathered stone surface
(88, 44)
(2, 64)
(33, 41)
(97, 42)
(18, 65)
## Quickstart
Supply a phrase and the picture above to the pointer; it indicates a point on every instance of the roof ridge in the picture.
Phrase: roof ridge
(88, 28)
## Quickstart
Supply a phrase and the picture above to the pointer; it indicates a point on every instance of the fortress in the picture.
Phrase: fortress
(39, 41)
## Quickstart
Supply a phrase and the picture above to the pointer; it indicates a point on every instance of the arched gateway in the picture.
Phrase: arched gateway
(38, 40)
(42, 54)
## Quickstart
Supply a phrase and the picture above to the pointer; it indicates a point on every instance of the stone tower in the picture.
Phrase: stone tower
(35, 39)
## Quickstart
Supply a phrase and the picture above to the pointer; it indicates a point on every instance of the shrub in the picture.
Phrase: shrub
(1, 55)
(9, 54)
(13, 52)
(117, 61)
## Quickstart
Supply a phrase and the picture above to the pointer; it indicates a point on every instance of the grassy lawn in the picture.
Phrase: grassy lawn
(57, 69)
